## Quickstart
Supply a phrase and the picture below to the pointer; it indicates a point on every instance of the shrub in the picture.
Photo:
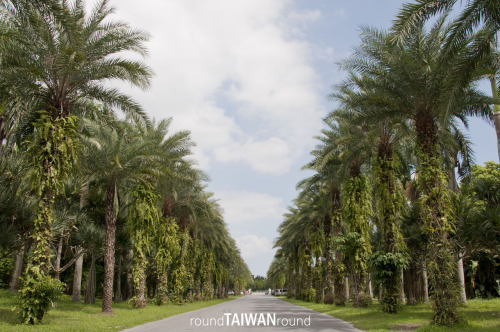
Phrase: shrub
(36, 297)
(362, 300)
(309, 295)
(6, 267)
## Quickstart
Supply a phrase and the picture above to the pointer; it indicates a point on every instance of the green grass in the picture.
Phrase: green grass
(69, 316)
(476, 315)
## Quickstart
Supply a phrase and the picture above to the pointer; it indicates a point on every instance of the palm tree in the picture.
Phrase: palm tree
(328, 164)
(115, 158)
(288, 246)
(16, 206)
(357, 97)
(144, 218)
(413, 80)
(478, 15)
(352, 139)
(300, 240)
(56, 58)
(314, 208)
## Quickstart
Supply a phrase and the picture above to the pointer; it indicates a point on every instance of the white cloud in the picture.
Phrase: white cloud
(197, 47)
(247, 207)
(306, 15)
(252, 246)
(269, 156)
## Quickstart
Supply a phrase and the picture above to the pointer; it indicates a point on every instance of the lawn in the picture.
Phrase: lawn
(476, 315)
(69, 316)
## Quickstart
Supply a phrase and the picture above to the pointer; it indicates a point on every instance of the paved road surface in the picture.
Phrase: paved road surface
(255, 312)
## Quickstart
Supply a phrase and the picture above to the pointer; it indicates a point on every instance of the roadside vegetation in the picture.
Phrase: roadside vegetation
(396, 209)
(98, 201)
(71, 316)
(481, 315)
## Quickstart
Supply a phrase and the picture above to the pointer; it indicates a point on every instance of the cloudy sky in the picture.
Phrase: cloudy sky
(250, 79)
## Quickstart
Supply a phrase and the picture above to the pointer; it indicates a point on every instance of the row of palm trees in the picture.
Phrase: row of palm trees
(383, 196)
(76, 177)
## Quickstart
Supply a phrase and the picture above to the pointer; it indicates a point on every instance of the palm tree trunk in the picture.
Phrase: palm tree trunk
(425, 282)
(291, 277)
(402, 285)
(2, 130)
(163, 287)
(328, 283)
(91, 282)
(140, 278)
(129, 285)
(388, 207)
(496, 110)
(356, 215)
(118, 292)
(346, 287)
(109, 253)
(339, 293)
(461, 279)
(370, 289)
(18, 268)
(84, 191)
(318, 280)
(77, 280)
(434, 200)
(57, 267)
(198, 290)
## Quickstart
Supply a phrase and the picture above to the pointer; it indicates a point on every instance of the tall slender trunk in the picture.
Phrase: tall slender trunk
(461, 278)
(496, 110)
(328, 283)
(77, 280)
(129, 285)
(308, 271)
(318, 280)
(339, 294)
(389, 202)
(453, 186)
(84, 191)
(140, 280)
(198, 290)
(2, 129)
(402, 285)
(57, 265)
(356, 212)
(118, 292)
(435, 201)
(109, 253)
(346, 287)
(425, 282)
(163, 291)
(291, 277)
(91, 282)
(370, 289)
(77, 277)
(18, 268)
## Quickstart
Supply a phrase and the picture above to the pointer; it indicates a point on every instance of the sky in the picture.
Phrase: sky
(250, 79)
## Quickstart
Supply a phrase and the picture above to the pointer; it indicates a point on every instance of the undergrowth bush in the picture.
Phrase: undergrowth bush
(36, 297)
(309, 295)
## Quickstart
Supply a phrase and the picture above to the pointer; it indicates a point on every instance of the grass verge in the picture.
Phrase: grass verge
(69, 316)
(476, 315)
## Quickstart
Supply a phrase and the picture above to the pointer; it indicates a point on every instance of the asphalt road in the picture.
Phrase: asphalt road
(256, 312)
